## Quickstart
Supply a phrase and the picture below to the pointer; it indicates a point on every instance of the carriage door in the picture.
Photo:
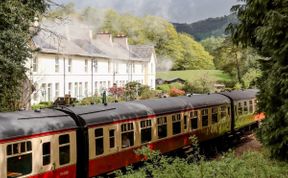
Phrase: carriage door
(111, 135)
(47, 159)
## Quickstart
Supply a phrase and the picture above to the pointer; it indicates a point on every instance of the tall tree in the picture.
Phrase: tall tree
(16, 19)
(263, 25)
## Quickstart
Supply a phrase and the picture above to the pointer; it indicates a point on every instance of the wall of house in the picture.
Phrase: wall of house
(57, 75)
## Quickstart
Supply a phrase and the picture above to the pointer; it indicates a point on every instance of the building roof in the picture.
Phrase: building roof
(61, 41)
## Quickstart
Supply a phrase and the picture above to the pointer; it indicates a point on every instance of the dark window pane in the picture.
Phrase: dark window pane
(99, 146)
(185, 122)
(46, 148)
(46, 160)
(64, 154)
(204, 121)
(29, 146)
(15, 148)
(176, 128)
(23, 147)
(214, 118)
(162, 131)
(111, 133)
(98, 132)
(112, 142)
(194, 123)
(20, 164)
(64, 139)
(127, 139)
(9, 150)
(146, 135)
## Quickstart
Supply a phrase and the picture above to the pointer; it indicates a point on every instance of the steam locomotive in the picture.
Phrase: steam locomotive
(86, 141)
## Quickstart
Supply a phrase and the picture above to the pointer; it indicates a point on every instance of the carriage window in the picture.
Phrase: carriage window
(112, 138)
(245, 107)
(204, 113)
(176, 123)
(223, 112)
(46, 153)
(64, 149)
(185, 122)
(127, 135)
(251, 106)
(214, 115)
(99, 141)
(19, 159)
(194, 120)
(162, 127)
(240, 111)
(146, 131)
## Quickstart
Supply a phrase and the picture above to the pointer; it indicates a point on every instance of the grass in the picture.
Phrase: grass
(192, 75)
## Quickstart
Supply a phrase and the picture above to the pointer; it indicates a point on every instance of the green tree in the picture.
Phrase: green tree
(194, 55)
(263, 25)
(16, 20)
(211, 44)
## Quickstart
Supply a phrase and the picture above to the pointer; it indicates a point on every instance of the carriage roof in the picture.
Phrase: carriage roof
(100, 114)
(25, 123)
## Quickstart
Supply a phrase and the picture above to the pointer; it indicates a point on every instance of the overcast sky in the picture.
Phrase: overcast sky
(173, 10)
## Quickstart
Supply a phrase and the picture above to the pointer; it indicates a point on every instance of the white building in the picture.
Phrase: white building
(86, 66)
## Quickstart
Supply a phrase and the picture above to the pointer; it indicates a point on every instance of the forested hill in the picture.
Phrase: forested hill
(206, 28)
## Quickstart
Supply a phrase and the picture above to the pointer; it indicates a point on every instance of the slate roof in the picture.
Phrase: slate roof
(56, 41)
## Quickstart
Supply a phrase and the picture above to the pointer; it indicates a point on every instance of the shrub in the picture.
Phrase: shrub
(176, 92)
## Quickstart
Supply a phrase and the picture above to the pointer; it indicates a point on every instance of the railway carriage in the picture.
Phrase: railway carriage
(87, 141)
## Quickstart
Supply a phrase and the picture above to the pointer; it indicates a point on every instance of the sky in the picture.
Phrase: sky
(181, 11)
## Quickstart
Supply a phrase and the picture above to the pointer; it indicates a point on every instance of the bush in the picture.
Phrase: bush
(176, 92)
(42, 105)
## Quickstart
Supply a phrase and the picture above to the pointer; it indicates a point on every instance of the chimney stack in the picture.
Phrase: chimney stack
(105, 37)
(121, 40)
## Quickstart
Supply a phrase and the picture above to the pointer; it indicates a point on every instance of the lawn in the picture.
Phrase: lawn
(192, 75)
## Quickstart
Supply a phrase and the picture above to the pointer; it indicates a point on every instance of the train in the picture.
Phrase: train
(87, 141)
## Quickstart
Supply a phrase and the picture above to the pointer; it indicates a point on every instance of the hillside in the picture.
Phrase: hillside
(192, 75)
(206, 28)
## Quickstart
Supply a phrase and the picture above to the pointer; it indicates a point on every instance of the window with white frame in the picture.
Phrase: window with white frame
(99, 141)
(64, 149)
(35, 64)
(176, 124)
(69, 65)
(127, 135)
(95, 65)
(46, 153)
(70, 88)
(86, 89)
(95, 88)
(56, 64)
(56, 90)
(214, 115)
(204, 113)
(133, 67)
(146, 131)
(127, 67)
(86, 65)
(19, 158)
(194, 119)
(49, 91)
(76, 89)
(80, 89)
(109, 66)
(162, 127)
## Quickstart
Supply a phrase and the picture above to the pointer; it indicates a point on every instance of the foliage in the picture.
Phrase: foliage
(164, 88)
(207, 28)
(176, 92)
(169, 45)
(250, 164)
(194, 56)
(91, 100)
(212, 43)
(16, 18)
(42, 105)
(117, 92)
(263, 26)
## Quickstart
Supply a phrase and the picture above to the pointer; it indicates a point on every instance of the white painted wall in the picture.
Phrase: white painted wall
(51, 83)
